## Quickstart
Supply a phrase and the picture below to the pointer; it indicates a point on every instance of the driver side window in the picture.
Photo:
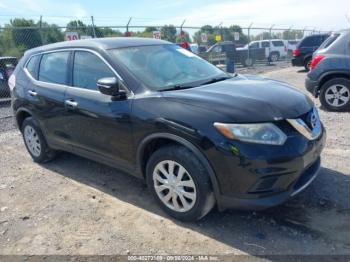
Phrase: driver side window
(87, 69)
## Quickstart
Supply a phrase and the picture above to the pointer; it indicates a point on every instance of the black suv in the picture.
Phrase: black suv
(329, 77)
(302, 55)
(197, 135)
(7, 66)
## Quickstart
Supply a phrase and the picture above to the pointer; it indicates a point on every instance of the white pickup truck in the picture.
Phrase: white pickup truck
(274, 48)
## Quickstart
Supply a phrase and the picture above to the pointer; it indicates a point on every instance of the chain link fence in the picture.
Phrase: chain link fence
(207, 41)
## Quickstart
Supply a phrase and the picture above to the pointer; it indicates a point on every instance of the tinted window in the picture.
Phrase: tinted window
(278, 43)
(311, 41)
(88, 68)
(53, 67)
(31, 66)
(265, 44)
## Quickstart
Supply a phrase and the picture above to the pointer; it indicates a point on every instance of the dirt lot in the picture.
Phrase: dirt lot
(76, 206)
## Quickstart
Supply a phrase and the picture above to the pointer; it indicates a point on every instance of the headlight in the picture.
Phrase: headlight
(264, 133)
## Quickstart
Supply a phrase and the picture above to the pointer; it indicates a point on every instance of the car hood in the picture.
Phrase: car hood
(246, 99)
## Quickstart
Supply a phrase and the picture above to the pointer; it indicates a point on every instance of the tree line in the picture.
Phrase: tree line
(22, 34)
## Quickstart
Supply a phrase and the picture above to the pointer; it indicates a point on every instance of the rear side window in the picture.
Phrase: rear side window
(265, 44)
(329, 41)
(254, 45)
(54, 67)
(88, 68)
(277, 43)
(32, 66)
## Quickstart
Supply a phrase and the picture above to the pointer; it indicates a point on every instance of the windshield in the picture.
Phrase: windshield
(163, 66)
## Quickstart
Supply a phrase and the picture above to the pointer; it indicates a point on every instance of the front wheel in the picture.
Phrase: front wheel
(179, 183)
(335, 94)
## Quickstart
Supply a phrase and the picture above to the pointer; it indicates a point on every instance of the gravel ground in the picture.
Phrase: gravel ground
(76, 206)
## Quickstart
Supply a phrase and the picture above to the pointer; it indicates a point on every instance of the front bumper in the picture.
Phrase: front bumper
(311, 86)
(257, 177)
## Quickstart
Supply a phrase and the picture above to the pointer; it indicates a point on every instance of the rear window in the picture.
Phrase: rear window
(277, 43)
(53, 67)
(311, 41)
(330, 40)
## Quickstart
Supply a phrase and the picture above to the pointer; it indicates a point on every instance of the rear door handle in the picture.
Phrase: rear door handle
(71, 103)
(32, 93)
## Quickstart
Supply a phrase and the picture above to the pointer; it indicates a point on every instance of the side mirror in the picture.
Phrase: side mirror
(110, 86)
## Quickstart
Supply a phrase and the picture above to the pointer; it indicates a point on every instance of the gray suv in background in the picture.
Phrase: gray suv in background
(329, 76)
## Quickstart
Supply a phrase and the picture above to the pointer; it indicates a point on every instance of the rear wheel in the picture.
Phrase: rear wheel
(274, 56)
(335, 94)
(179, 183)
(35, 142)
(248, 62)
(307, 64)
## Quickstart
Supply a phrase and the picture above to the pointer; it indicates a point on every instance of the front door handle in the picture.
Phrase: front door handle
(32, 93)
(71, 103)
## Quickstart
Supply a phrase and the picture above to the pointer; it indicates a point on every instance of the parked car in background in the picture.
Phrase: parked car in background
(198, 136)
(302, 55)
(7, 66)
(274, 48)
(291, 46)
(216, 53)
(329, 76)
(196, 49)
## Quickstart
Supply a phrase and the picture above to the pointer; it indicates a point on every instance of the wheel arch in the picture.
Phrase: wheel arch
(330, 75)
(21, 115)
(152, 142)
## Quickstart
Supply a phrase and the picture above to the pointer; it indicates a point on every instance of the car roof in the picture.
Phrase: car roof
(100, 43)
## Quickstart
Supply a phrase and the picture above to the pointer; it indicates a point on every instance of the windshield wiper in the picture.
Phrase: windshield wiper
(216, 79)
(178, 87)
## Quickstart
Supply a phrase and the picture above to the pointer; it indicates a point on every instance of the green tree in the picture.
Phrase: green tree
(150, 29)
(51, 33)
(168, 32)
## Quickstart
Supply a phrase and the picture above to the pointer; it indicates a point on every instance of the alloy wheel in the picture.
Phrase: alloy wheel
(337, 95)
(174, 186)
(32, 141)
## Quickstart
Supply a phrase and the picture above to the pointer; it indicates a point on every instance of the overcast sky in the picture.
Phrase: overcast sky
(318, 14)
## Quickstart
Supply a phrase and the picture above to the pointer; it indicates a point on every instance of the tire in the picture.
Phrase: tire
(194, 175)
(335, 94)
(274, 57)
(35, 141)
(307, 64)
(248, 62)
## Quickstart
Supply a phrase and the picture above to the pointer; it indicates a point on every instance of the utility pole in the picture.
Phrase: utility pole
(93, 26)
(347, 18)
(248, 51)
(41, 30)
(127, 26)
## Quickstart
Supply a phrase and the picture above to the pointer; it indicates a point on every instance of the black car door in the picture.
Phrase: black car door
(45, 92)
(95, 124)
